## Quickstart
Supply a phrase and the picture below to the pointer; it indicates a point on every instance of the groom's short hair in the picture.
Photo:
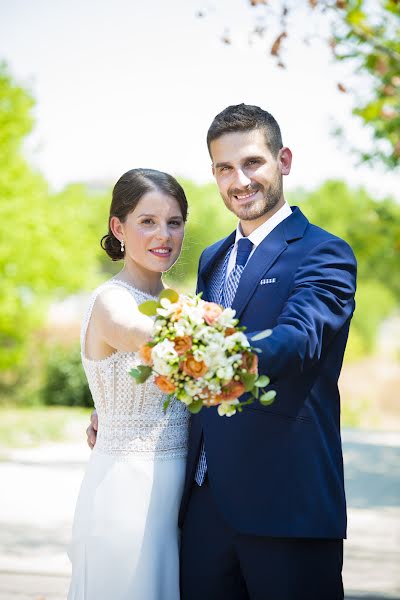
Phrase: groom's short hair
(245, 117)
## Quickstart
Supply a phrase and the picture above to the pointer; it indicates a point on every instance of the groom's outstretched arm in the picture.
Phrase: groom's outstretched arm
(320, 303)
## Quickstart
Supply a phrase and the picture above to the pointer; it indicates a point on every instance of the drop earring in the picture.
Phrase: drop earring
(122, 246)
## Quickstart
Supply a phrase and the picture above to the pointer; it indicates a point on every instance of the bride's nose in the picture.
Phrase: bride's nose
(163, 232)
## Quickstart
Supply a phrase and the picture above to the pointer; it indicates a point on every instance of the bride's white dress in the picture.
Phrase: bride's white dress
(125, 539)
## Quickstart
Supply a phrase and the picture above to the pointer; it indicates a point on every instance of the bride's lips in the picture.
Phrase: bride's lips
(161, 251)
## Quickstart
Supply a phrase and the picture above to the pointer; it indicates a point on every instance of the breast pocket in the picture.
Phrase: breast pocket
(269, 283)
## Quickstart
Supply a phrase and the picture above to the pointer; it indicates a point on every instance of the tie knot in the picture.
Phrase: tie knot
(244, 249)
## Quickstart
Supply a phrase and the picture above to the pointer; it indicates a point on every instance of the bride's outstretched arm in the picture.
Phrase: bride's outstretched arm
(119, 322)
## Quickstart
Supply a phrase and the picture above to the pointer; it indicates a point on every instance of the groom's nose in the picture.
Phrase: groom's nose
(241, 179)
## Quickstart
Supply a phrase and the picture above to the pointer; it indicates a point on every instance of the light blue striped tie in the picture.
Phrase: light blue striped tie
(244, 249)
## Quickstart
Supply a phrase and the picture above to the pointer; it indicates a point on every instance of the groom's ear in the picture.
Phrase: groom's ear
(285, 160)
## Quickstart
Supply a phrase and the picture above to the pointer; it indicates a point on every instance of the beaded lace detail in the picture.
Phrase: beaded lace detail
(131, 416)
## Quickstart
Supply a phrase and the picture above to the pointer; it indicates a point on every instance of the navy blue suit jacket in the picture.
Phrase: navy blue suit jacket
(278, 470)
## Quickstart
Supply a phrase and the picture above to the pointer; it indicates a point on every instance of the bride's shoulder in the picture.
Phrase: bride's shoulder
(113, 296)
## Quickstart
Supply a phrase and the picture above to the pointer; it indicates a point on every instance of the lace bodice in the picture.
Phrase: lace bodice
(131, 416)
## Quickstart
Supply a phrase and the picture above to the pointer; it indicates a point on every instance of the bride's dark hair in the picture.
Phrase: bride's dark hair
(127, 192)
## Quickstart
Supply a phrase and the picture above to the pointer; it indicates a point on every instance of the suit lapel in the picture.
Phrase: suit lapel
(218, 250)
(266, 255)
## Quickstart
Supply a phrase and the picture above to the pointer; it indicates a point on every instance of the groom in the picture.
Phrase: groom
(263, 513)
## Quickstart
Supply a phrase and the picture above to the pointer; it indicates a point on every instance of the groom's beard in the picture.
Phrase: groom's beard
(254, 209)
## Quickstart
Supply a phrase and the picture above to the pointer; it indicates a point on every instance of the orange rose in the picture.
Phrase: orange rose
(208, 398)
(229, 331)
(211, 312)
(194, 368)
(182, 344)
(230, 391)
(145, 354)
(165, 384)
(250, 362)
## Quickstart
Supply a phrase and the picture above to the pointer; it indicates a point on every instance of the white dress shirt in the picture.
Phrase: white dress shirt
(259, 234)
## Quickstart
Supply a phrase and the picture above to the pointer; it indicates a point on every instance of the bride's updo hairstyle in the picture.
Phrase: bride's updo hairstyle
(127, 192)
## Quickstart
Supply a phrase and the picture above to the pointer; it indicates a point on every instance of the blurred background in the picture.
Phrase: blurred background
(91, 89)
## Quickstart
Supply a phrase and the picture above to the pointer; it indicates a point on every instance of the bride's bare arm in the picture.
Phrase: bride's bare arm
(118, 321)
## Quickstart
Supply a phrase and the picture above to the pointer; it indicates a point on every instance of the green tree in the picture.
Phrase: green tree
(365, 34)
(48, 245)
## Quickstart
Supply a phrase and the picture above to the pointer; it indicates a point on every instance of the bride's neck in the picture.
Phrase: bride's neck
(149, 282)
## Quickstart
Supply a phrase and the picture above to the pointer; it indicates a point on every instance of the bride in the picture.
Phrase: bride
(125, 533)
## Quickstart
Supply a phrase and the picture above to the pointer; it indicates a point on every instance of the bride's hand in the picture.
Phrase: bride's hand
(91, 431)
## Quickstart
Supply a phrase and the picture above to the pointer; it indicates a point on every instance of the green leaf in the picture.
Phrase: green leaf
(262, 381)
(261, 335)
(166, 403)
(248, 380)
(172, 295)
(268, 398)
(149, 308)
(195, 407)
(141, 373)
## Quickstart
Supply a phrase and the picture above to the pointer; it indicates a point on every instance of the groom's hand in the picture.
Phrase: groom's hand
(91, 431)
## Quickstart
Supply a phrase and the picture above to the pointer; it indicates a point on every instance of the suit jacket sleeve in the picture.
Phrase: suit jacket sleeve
(320, 303)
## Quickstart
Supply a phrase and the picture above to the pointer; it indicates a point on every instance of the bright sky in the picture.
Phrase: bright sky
(127, 83)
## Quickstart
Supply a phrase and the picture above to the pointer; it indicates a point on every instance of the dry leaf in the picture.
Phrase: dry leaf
(255, 2)
(341, 88)
(341, 3)
(277, 43)
(381, 66)
(389, 90)
(313, 3)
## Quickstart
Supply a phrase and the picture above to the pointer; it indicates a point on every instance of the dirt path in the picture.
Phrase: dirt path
(39, 488)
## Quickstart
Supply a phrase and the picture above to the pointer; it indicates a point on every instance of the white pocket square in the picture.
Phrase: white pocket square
(265, 281)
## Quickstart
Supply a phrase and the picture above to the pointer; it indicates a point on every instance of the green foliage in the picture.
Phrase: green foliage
(370, 37)
(48, 243)
(64, 379)
(371, 227)
(366, 35)
(31, 426)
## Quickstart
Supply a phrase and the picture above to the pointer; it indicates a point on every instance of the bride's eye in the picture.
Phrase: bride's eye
(147, 222)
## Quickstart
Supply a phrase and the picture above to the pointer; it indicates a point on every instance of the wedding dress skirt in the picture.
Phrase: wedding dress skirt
(125, 537)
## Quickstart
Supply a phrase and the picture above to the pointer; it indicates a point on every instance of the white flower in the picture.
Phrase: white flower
(200, 355)
(236, 338)
(227, 317)
(227, 409)
(192, 388)
(225, 373)
(164, 357)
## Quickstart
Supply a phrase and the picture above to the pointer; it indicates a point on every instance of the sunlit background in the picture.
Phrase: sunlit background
(91, 89)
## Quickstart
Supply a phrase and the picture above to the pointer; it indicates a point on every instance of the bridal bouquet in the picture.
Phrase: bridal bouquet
(200, 355)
